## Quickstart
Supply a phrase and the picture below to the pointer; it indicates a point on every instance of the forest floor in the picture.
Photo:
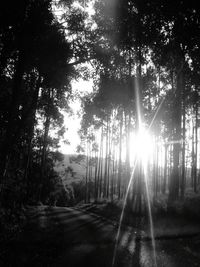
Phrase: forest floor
(180, 219)
(75, 237)
(85, 235)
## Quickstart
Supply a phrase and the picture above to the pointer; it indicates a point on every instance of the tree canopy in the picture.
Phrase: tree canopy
(145, 69)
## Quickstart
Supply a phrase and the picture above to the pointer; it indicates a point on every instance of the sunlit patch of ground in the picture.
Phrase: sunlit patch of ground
(80, 237)
(172, 223)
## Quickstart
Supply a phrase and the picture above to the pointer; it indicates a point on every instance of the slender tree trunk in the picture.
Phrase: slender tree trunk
(195, 148)
(175, 178)
(183, 146)
(165, 170)
(31, 134)
(102, 164)
(44, 155)
(106, 161)
(11, 128)
(109, 161)
(87, 173)
(192, 162)
(95, 176)
(120, 158)
(128, 168)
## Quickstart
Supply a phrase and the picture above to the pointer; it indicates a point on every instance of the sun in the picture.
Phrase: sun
(141, 146)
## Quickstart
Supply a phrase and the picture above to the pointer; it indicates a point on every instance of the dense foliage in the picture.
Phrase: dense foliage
(145, 61)
(35, 78)
(146, 76)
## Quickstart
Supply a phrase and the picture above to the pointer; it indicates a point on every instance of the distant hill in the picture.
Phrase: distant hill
(71, 169)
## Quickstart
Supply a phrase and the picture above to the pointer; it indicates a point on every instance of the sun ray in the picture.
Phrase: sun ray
(143, 146)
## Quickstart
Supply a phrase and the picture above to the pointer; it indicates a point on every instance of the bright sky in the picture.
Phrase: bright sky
(72, 123)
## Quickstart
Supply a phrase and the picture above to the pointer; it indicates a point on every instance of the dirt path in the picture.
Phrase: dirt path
(72, 238)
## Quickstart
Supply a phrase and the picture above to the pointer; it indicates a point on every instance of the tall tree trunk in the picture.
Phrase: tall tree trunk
(120, 157)
(109, 161)
(196, 147)
(102, 164)
(106, 161)
(31, 134)
(165, 171)
(44, 155)
(193, 157)
(95, 176)
(128, 167)
(175, 178)
(87, 172)
(183, 145)
(11, 128)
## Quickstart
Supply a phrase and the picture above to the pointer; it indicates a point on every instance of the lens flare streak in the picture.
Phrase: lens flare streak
(150, 217)
(144, 160)
(122, 214)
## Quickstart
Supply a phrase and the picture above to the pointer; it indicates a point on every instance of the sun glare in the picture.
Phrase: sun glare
(141, 146)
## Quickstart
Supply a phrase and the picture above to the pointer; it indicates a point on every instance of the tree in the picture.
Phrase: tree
(31, 71)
